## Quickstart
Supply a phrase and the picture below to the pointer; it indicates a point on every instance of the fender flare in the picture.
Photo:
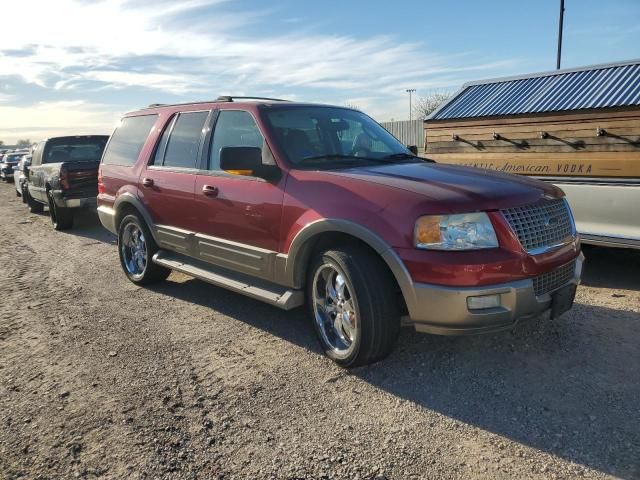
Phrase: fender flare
(128, 198)
(302, 245)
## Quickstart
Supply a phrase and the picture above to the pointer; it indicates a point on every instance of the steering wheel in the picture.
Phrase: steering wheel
(361, 152)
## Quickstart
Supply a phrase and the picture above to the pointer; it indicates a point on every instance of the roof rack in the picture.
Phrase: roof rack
(223, 98)
(230, 98)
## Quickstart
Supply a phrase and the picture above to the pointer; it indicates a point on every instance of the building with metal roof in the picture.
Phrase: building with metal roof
(596, 86)
(577, 128)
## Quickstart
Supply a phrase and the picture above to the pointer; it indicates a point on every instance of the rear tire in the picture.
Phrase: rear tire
(353, 305)
(136, 248)
(61, 218)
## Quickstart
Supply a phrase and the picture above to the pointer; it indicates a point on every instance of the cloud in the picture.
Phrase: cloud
(177, 83)
(198, 48)
(44, 119)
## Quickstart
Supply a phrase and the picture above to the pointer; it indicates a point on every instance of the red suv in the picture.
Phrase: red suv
(295, 203)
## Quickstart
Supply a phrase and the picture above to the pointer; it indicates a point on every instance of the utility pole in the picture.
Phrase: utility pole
(560, 34)
(410, 91)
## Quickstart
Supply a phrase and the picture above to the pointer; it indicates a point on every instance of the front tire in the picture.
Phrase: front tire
(353, 306)
(61, 218)
(136, 248)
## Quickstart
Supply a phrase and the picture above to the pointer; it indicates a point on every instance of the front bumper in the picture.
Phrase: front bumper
(443, 310)
(63, 201)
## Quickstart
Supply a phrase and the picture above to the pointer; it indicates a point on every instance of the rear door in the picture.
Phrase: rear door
(166, 185)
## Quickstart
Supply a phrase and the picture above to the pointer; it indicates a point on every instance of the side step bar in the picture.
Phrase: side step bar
(268, 292)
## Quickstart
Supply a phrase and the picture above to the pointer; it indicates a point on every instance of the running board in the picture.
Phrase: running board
(268, 292)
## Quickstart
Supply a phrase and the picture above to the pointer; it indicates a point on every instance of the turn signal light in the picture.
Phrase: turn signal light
(428, 230)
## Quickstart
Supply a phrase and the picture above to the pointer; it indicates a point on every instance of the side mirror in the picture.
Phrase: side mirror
(246, 161)
(413, 149)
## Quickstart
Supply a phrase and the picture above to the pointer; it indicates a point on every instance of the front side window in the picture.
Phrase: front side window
(128, 139)
(329, 137)
(37, 154)
(234, 128)
(183, 143)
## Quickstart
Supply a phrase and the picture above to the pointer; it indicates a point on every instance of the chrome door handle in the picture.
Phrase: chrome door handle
(147, 182)
(210, 190)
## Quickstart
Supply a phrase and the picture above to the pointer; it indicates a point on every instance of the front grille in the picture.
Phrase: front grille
(541, 225)
(553, 280)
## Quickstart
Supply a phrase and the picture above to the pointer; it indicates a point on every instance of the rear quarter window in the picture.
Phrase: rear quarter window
(128, 139)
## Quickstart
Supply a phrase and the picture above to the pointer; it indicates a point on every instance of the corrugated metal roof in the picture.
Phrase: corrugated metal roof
(598, 86)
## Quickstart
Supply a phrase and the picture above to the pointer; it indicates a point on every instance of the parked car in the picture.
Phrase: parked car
(19, 176)
(64, 176)
(9, 161)
(296, 203)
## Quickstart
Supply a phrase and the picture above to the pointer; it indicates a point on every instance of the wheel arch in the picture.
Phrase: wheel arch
(126, 204)
(330, 232)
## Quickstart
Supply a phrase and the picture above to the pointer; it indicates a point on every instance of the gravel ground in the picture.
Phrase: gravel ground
(100, 378)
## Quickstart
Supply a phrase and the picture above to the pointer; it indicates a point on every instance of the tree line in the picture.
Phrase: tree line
(23, 142)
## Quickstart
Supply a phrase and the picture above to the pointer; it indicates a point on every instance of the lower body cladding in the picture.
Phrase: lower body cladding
(466, 311)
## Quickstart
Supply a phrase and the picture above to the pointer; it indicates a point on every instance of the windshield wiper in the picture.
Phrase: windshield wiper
(337, 156)
(403, 156)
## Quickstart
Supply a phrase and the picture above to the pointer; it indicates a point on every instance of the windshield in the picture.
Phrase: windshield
(330, 137)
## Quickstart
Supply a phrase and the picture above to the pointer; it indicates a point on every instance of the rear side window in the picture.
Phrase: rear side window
(128, 139)
(179, 147)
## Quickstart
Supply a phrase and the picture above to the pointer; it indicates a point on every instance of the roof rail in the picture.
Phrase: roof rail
(231, 98)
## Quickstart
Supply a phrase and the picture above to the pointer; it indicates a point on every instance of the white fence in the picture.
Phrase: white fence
(409, 132)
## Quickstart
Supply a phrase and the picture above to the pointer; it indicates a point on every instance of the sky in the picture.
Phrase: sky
(75, 66)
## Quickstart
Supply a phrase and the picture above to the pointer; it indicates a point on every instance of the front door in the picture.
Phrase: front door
(239, 216)
(35, 177)
(167, 184)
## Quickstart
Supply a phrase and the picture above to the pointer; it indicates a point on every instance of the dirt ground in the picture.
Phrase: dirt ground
(100, 378)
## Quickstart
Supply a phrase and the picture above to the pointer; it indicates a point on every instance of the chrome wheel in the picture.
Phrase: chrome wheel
(134, 250)
(334, 310)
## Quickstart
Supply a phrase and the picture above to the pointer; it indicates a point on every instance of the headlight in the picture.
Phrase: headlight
(465, 231)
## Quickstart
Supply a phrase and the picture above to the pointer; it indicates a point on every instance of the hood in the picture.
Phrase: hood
(457, 188)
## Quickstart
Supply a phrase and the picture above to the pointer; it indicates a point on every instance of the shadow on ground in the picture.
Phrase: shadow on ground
(568, 387)
(611, 268)
(86, 224)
